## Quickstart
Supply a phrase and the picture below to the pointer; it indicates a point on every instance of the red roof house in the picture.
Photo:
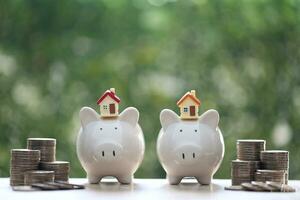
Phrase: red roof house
(109, 103)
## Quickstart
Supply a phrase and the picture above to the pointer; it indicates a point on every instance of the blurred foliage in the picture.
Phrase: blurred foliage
(242, 57)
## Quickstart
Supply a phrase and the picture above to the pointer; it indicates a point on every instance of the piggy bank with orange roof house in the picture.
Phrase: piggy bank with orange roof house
(190, 145)
(110, 144)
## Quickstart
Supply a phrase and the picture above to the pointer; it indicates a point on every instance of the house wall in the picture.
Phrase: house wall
(105, 112)
(187, 103)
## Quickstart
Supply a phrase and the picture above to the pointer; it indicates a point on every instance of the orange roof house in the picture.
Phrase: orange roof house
(189, 105)
(109, 103)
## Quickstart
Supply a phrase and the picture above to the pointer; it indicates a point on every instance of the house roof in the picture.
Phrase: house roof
(189, 95)
(110, 94)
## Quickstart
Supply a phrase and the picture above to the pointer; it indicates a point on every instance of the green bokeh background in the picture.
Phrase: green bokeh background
(242, 58)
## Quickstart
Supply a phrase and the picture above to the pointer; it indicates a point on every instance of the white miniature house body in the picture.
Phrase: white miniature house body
(189, 105)
(109, 104)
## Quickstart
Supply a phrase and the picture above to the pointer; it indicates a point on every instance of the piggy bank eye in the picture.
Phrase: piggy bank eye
(116, 128)
(180, 130)
(100, 128)
(196, 130)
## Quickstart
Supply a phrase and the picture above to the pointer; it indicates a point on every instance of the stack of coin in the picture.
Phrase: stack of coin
(38, 176)
(45, 145)
(270, 175)
(250, 149)
(22, 160)
(243, 171)
(276, 160)
(61, 169)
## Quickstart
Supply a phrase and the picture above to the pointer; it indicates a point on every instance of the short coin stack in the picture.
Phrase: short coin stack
(38, 176)
(248, 153)
(61, 169)
(243, 171)
(22, 160)
(47, 146)
(270, 175)
(273, 160)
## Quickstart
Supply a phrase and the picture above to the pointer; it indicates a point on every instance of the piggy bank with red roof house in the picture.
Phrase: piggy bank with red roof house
(110, 144)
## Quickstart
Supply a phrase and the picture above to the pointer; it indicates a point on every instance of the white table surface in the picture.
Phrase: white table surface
(142, 189)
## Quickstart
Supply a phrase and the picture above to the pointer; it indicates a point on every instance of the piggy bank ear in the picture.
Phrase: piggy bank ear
(130, 115)
(168, 117)
(210, 118)
(88, 115)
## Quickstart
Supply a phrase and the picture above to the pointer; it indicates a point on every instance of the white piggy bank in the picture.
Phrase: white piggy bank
(190, 148)
(110, 147)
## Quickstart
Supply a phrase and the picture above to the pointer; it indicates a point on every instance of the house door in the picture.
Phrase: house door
(112, 108)
(192, 110)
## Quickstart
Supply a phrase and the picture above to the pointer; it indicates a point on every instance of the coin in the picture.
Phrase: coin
(234, 187)
(75, 186)
(281, 187)
(61, 186)
(264, 186)
(44, 186)
(41, 141)
(251, 187)
(24, 188)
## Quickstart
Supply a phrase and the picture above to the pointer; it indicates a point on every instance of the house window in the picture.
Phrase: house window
(185, 109)
(105, 107)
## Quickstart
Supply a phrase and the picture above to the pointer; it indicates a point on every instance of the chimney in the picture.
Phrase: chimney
(113, 90)
(193, 93)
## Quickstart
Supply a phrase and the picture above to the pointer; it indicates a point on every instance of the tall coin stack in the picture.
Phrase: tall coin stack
(47, 147)
(248, 161)
(22, 160)
(61, 169)
(250, 149)
(276, 160)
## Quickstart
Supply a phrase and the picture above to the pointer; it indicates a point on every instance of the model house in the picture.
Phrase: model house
(109, 103)
(189, 105)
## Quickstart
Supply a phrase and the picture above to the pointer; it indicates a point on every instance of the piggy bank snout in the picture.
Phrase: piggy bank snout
(108, 151)
(187, 154)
